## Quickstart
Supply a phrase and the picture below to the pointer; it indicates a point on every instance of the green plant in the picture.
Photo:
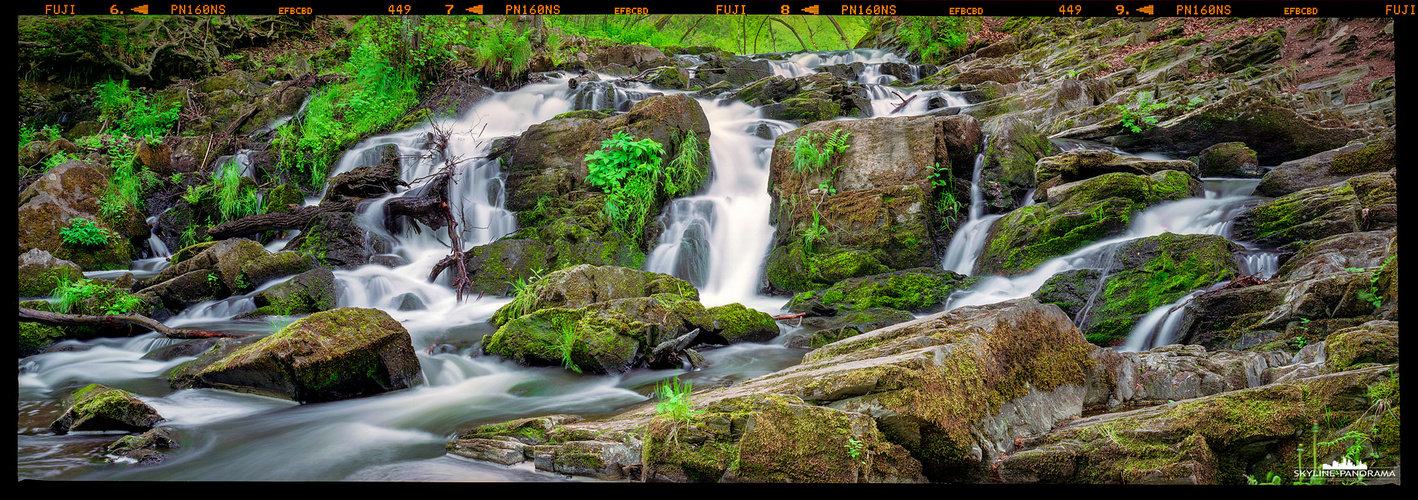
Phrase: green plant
(1140, 113)
(674, 400)
(854, 447)
(502, 53)
(566, 343)
(1370, 295)
(234, 200)
(947, 205)
(629, 172)
(132, 112)
(685, 166)
(82, 232)
(69, 294)
(809, 157)
(813, 233)
(935, 39)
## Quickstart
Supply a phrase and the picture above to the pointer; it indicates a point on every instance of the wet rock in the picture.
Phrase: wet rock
(1152, 272)
(624, 55)
(411, 302)
(312, 291)
(1080, 164)
(146, 448)
(1338, 253)
(1372, 342)
(1014, 147)
(326, 356)
(99, 408)
(1071, 291)
(585, 284)
(1228, 159)
(881, 217)
(1255, 117)
(1374, 154)
(1176, 372)
(1077, 214)
(334, 239)
(918, 289)
(848, 324)
(367, 181)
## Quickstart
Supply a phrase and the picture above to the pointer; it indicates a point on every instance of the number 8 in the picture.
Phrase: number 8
(786, 10)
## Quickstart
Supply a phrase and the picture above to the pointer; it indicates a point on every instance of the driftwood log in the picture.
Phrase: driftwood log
(28, 315)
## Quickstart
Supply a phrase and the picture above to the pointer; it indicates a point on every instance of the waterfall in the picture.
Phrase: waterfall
(965, 246)
(724, 232)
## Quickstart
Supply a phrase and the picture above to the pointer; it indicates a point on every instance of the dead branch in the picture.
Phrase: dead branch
(28, 315)
(790, 28)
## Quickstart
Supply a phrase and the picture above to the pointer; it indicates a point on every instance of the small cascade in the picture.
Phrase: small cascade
(965, 246)
(1157, 328)
(729, 220)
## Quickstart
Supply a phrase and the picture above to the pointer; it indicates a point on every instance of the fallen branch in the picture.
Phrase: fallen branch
(789, 316)
(28, 315)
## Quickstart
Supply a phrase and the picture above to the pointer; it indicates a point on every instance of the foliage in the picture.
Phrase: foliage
(377, 94)
(1140, 113)
(685, 165)
(935, 40)
(132, 112)
(502, 53)
(947, 205)
(523, 298)
(130, 183)
(808, 156)
(740, 34)
(234, 200)
(813, 233)
(82, 232)
(565, 345)
(674, 400)
(68, 294)
(630, 173)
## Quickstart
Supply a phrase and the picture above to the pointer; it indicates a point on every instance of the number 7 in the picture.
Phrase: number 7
(450, 8)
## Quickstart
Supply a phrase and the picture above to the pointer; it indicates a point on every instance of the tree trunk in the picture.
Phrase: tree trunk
(790, 29)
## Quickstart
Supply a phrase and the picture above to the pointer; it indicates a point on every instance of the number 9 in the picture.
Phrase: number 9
(1121, 10)
(785, 10)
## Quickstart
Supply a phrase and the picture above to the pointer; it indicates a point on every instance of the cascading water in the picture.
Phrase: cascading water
(725, 231)
(965, 246)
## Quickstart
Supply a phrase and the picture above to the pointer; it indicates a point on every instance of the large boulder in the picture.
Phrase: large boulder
(616, 335)
(1082, 164)
(72, 191)
(878, 212)
(327, 356)
(1217, 439)
(1175, 372)
(918, 290)
(1229, 159)
(99, 408)
(1360, 203)
(1152, 272)
(815, 97)
(585, 284)
(308, 292)
(1374, 154)
(39, 273)
(1256, 117)
(336, 240)
(230, 266)
(1014, 145)
(955, 389)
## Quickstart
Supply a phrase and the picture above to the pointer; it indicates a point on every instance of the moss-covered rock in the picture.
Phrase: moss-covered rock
(1373, 154)
(39, 273)
(1152, 272)
(1229, 159)
(1216, 439)
(1255, 117)
(66, 192)
(334, 239)
(1080, 164)
(1077, 214)
(327, 356)
(1372, 342)
(99, 408)
(146, 448)
(585, 284)
(312, 291)
(918, 289)
(1013, 146)
(1361, 203)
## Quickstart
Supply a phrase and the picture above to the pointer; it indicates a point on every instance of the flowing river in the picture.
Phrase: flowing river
(717, 239)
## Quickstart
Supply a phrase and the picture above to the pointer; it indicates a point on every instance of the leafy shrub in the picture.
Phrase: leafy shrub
(629, 172)
(502, 53)
(935, 40)
(69, 294)
(808, 156)
(132, 112)
(82, 232)
(234, 200)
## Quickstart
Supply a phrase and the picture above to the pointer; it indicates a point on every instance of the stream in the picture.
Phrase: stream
(717, 239)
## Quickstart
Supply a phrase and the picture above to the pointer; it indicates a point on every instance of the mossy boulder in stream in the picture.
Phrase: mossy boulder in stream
(327, 356)
(585, 284)
(612, 336)
(1151, 272)
(96, 407)
(1372, 154)
(1077, 214)
(1275, 131)
(39, 273)
(72, 191)
(918, 289)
